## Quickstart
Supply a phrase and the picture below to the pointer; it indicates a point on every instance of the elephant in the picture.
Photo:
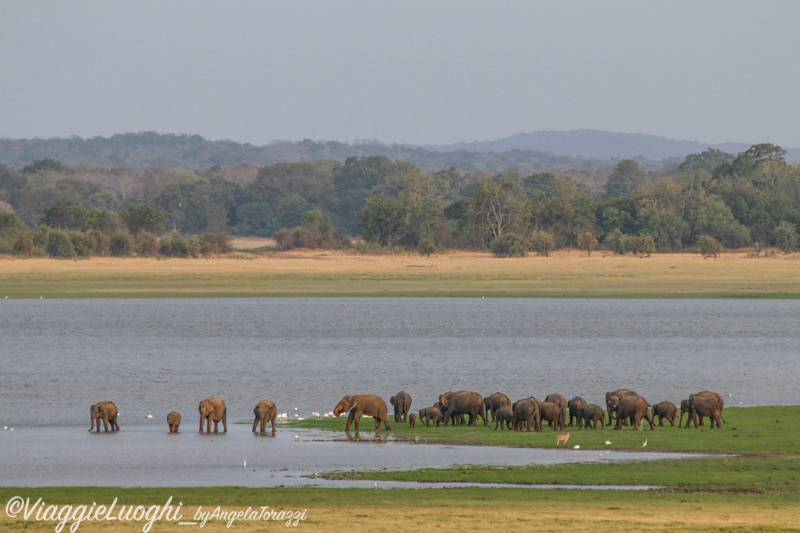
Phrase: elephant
(554, 415)
(463, 403)
(706, 403)
(105, 411)
(264, 412)
(560, 401)
(664, 410)
(430, 414)
(593, 413)
(213, 409)
(363, 405)
(495, 401)
(526, 415)
(402, 405)
(633, 407)
(685, 409)
(174, 421)
(620, 393)
(574, 406)
(504, 417)
(412, 420)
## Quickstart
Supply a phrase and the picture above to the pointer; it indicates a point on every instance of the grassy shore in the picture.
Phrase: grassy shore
(758, 489)
(457, 274)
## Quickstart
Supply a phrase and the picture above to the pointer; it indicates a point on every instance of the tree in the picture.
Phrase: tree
(714, 219)
(509, 245)
(626, 177)
(64, 214)
(666, 230)
(708, 160)
(785, 236)
(542, 243)
(59, 244)
(381, 220)
(587, 242)
(498, 204)
(709, 246)
(140, 217)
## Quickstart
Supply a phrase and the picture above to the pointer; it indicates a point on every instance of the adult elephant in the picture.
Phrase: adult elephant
(105, 411)
(574, 407)
(553, 414)
(402, 405)
(633, 407)
(591, 415)
(504, 417)
(430, 414)
(526, 415)
(560, 401)
(174, 421)
(706, 403)
(664, 410)
(363, 405)
(264, 412)
(495, 401)
(213, 409)
(619, 393)
(463, 403)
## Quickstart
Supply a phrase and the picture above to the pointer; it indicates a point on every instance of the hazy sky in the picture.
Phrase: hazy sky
(421, 72)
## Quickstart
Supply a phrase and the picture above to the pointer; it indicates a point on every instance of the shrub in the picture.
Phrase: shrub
(58, 244)
(173, 245)
(587, 242)
(644, 245)
(215, 243)
(120, 244)
(146, 244)
(543, 243)
(81, 243)
(509, 245)
(785, 235)
(709, 246)
(23, 244)
(426, 247)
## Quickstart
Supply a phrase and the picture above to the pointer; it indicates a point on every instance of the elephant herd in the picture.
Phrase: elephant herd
(464, 407)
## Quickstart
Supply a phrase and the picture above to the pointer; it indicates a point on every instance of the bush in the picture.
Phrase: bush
(426, 247)
(509, 245)
(173, 245)
(215, 243)
(587, 242)
(709, 246)
(58, 244)
(146, 244)
(785, 235)
(543, 243)
(644, 245)
(120, 244)
(81, 243)
(23, 244)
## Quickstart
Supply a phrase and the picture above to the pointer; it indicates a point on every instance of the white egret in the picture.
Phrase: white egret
(244, 464)
(296, 438)
(645, 443)
(149, 417)
(576, 447)
(608, 443)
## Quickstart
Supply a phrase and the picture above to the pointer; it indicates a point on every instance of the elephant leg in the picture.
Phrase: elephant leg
(255, 423)
(105, 424)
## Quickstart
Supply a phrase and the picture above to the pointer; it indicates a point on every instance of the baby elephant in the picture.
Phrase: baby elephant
(591, 414)
(412, 420)
(665, 410)
(264, 412)
(503, 417)
(174, 421)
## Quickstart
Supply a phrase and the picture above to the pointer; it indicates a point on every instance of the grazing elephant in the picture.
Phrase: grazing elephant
(174, 421)
(363, 405)
(592, 414)
(553, 414)
(560, 401)
(574, 406)
(526, 415)
(504, 417)
(620, 393)
(706, 403)
(265, 412)
(213, 409)
(633, 407)
(463, 403)
(412, 420)
(105, 411)
(430, 414)
(402, 405)
(495, 401)
(664, 410)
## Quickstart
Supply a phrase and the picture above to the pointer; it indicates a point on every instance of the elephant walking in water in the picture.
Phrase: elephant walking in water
(174, 421)
(213, 409)
(105, 411)
(363, 405)
(402, 405)
(264, 412)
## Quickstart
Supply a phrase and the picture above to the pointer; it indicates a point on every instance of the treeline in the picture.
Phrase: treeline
(709, 200)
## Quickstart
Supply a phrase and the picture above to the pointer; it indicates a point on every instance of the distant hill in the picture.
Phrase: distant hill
(590, 149)
(596, 144)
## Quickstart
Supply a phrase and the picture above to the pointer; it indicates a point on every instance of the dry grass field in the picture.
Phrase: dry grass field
(465, 274)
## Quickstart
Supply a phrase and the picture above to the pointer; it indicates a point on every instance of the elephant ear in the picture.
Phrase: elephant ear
(353, 403)
(391, 400)
(443, 400)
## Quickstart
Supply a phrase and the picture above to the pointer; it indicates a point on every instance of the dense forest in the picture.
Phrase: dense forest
(706, 201)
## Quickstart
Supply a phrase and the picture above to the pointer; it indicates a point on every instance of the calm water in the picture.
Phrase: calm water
(153, 356)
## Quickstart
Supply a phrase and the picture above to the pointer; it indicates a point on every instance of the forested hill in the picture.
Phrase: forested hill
(193, 152)
(587, 149)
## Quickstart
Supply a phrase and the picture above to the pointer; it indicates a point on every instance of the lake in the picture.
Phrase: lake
(152, 356)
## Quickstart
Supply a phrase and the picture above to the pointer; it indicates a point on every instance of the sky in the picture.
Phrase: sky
(416, 72)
